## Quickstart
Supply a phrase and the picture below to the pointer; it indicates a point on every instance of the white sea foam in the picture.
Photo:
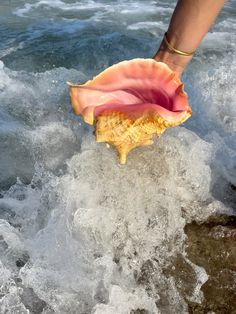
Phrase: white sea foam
(227, 40)
(80, 233)
(89, 226)
(155, 28)
(6, 52)
(101, 9)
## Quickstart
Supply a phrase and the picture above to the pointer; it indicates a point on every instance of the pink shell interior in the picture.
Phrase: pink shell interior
(132, 87)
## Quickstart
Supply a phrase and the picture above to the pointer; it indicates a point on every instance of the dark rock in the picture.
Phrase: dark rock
(32, 302)
(212, 246)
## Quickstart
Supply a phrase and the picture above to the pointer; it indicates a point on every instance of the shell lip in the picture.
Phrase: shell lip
(69, 84)
(179, 95)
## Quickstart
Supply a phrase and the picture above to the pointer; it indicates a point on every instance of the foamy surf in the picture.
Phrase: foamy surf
(78, 232)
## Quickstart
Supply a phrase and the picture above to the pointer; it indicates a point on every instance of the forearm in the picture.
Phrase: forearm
(190, 22)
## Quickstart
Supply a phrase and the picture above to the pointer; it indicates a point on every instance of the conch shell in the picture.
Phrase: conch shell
(130, 102)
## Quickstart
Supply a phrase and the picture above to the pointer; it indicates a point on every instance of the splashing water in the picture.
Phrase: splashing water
(78, 232)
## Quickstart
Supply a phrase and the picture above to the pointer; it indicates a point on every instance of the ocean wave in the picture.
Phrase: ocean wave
(80, 233)
(123, 7)
(76, 221)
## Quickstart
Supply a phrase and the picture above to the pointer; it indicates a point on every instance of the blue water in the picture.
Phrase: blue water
(77, 230)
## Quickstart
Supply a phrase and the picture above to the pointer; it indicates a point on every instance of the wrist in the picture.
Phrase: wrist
(175, 61)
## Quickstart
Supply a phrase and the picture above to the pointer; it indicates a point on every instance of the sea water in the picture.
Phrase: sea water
(80, 233)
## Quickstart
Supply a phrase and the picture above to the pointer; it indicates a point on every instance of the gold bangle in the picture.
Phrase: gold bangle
(172, 49)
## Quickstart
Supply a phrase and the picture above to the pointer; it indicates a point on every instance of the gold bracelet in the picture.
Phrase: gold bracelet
(172, 49)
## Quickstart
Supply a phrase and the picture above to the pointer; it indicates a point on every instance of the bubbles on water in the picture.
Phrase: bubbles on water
(96, 237)
(87, 231)
(80, 233)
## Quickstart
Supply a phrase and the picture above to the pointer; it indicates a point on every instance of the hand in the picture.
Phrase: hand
(176, 62)
(190, 22)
